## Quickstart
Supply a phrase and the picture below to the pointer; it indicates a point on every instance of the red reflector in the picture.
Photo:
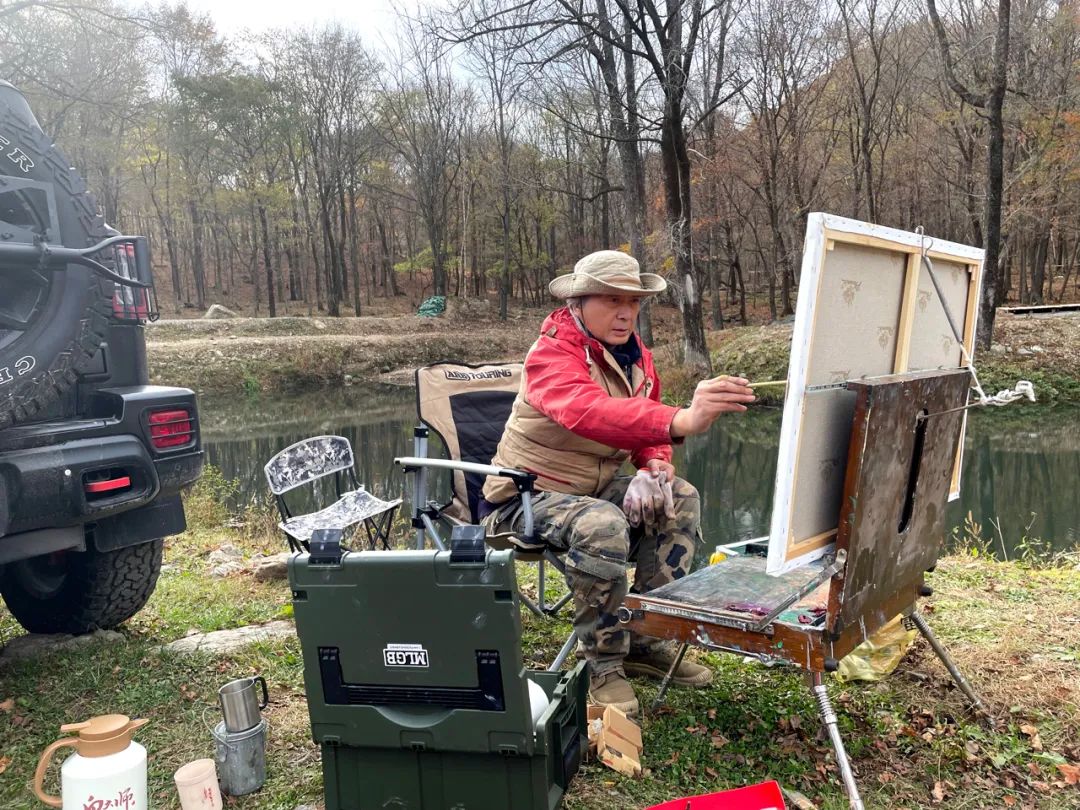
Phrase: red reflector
(170, 429)
(108, 486)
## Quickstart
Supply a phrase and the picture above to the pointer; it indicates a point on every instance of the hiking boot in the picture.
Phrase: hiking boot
(657, 660)
(612, 689)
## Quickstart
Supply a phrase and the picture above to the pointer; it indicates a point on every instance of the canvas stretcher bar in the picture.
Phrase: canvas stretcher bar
(867, 308)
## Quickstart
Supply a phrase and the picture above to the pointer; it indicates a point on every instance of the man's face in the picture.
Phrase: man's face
(610, 318)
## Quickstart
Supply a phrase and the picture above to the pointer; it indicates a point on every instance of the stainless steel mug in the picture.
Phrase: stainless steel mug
(240, 703)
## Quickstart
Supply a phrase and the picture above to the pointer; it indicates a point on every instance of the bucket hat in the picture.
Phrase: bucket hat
(607, 272)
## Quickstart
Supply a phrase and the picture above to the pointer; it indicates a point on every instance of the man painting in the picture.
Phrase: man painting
(589, 401)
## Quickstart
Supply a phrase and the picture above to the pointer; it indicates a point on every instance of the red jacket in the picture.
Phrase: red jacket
(577, 417)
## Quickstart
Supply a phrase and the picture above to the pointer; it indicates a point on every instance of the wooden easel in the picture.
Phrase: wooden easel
(892, 521)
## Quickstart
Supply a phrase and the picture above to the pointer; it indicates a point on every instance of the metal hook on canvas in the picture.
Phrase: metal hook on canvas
(925, 243)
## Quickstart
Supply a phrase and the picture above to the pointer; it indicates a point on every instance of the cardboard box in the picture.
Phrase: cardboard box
(617, 739)
(595, 721)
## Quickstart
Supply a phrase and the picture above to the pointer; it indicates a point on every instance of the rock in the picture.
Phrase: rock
(226, 641)
(479, 308)
(1038, 349)
(1024, 352)
(226, 569)
(318, 324)
(35, 645)
(218, 312)
(227, 553)
(273, 568)
(997, 348)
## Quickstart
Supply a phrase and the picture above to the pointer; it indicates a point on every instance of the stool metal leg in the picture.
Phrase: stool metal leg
(541, 596)
(554, 608)
(946, 659)
(828, 717)
(564, 653)
(666, 683)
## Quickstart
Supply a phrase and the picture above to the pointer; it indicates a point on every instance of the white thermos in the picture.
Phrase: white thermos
(107, 770)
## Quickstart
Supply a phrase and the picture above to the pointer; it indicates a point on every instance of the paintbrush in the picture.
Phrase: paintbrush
(766, 383)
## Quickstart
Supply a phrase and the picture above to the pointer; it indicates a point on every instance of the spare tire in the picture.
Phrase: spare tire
(51, 323)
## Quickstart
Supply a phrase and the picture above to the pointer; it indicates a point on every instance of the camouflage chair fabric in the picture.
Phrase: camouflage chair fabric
(310, 460)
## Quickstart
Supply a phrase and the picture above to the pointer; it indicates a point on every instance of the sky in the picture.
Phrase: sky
(374, 19)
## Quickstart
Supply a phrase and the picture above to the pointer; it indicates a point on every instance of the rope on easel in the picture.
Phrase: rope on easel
(1023, 388)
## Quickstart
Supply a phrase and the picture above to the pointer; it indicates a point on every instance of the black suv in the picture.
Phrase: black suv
(92, 458)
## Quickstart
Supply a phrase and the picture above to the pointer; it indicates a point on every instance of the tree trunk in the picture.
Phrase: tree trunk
(1038, 269)
(271, 300)
(198, 268)
(995, 182)
(676, 164)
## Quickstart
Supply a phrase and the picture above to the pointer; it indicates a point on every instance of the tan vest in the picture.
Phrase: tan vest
(562, 460)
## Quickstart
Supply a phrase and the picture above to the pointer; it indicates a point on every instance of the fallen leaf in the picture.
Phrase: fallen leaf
(1033, 734)
(938, 793)
(719, 740)
(673, 758)
(1071, 773)
(711, 714)
(7, 705)
(4, 762)
(1009, 800)
(711, 773)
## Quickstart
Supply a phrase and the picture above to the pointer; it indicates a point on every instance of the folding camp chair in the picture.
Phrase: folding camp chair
(310, 460)
(467, 407)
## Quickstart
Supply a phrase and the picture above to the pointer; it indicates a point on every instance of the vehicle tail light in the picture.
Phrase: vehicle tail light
(171, 429)
(131, 260)
(129, 303)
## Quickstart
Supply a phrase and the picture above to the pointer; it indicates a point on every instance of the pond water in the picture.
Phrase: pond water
(1021, 469)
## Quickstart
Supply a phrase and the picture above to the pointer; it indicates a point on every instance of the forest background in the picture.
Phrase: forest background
(487, 145)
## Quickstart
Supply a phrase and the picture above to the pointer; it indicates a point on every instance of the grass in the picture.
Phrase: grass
(1013, 628)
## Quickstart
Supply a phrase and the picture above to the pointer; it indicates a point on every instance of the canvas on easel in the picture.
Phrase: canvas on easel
(867, 307)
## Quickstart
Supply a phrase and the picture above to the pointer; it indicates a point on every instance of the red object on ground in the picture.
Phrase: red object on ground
(766, 796)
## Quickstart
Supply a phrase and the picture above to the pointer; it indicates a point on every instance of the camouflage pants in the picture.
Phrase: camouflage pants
(598, 541)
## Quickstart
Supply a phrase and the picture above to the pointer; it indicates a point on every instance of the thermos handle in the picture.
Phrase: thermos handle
(43, 764)
(266, 695)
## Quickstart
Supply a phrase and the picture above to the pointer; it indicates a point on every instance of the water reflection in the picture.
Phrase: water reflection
(1021, 468)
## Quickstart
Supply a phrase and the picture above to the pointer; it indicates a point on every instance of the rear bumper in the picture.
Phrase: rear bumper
(45, 468)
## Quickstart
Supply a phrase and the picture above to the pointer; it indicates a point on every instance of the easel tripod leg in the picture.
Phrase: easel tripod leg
(828, 717)
(946, 659)
(666, 683)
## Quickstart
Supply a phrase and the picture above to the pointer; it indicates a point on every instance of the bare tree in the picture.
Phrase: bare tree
(990, 99)
(497, 57)
(421, 117)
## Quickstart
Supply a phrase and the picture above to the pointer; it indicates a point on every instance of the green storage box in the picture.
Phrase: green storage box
(416, 688)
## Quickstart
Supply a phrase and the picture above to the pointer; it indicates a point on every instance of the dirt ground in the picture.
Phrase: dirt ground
(253, 355)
